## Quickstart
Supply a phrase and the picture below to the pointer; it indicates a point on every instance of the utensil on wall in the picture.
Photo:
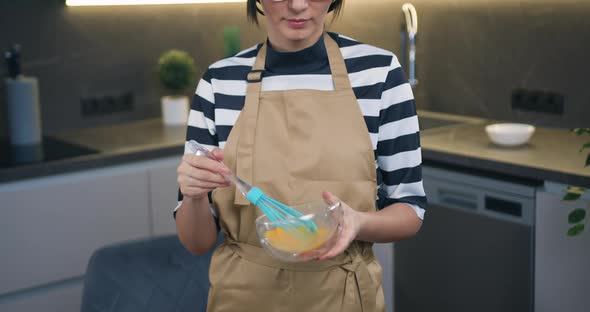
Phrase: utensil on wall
(22, 98)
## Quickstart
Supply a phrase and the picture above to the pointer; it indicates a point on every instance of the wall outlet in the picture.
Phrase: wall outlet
(538, 101)
(92, 106)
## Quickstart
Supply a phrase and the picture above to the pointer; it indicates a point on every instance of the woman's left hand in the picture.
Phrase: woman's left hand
(350, 227)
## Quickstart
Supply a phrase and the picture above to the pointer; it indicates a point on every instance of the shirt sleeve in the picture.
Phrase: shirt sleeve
(399, 155)
(201, 125)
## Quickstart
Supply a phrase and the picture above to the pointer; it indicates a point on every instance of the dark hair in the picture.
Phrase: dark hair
(253, 9)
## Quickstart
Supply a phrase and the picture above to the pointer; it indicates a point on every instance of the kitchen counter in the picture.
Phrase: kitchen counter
(116, 144)
(552, 154)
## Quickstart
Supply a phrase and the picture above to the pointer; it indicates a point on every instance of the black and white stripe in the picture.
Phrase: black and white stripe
(383, 94)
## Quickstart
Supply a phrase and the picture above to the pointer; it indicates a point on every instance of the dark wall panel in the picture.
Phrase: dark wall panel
(471, 53)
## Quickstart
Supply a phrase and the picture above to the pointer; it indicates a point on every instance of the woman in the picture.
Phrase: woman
(304, 112)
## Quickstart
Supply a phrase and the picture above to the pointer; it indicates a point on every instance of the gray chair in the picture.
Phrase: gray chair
(149, 275)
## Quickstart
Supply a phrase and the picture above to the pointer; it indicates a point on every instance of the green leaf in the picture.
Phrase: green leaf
(572, 196)
(576, 216)
(580, 131)
(573, 192)
(585, 146)
(575, 230)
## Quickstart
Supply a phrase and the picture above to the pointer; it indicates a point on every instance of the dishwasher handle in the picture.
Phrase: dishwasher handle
(486, 203)
(457, 198)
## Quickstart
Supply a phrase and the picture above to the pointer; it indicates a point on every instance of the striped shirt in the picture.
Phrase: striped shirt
(378, 81)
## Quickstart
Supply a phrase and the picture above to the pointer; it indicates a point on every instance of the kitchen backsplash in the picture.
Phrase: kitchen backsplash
(472, 54)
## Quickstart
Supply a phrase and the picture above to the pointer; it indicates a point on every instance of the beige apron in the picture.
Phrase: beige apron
(293, 145)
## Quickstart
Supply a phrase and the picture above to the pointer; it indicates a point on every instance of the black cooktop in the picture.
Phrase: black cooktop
(50, 149)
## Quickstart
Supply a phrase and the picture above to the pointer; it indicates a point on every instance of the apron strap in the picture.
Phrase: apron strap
(337, 65)
(260, 63)
(359, 279)
(244, 167)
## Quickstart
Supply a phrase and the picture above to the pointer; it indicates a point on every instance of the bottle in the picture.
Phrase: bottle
(22, 99)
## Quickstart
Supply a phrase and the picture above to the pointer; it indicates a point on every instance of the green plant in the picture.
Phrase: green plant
(581, 131)
(231, 36)
(176, 71)
(577, 217)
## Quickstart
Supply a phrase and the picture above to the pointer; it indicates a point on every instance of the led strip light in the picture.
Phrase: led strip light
(140, 2)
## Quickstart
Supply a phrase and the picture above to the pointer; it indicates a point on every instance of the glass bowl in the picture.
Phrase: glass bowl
(289, 241)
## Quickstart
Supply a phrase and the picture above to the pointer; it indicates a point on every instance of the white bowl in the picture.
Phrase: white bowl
(510, 134)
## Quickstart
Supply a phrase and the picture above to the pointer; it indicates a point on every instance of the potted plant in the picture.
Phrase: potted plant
(577, 217)
(176, 72)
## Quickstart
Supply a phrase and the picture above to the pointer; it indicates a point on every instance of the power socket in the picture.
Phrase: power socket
(92, 106)
(538, 101)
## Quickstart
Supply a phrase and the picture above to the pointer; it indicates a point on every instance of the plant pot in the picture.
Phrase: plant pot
(175, 110)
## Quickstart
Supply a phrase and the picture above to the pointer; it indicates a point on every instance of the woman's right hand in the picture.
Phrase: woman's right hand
(198, 175)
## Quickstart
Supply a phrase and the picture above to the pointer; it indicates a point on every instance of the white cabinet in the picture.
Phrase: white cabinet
(50, 226)
(384, 254)
(163, 194)
(562, 278)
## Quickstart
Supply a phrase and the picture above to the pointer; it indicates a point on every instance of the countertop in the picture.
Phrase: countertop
(552, 154)
(116, 144)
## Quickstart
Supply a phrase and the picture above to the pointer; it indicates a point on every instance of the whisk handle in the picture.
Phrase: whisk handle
(200, 150)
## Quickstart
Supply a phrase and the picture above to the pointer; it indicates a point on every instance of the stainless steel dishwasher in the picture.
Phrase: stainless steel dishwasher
(475, 249)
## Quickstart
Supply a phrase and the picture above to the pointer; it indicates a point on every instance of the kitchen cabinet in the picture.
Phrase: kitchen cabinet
(384, 254)
(163, 194)
(562, 278)
(50, 226)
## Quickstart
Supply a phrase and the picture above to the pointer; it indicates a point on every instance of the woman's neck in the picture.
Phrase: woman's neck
(309, 60)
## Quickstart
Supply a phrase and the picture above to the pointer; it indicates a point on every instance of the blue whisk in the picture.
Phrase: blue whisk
(276, 211)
